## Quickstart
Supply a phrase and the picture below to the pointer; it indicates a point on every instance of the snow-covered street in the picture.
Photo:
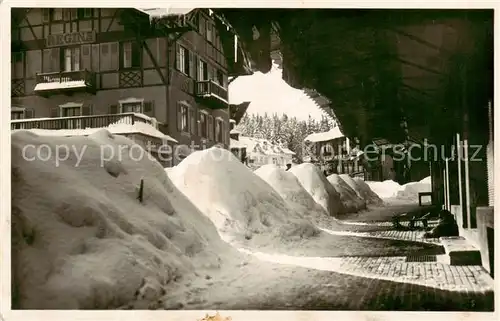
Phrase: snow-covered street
(211, 234)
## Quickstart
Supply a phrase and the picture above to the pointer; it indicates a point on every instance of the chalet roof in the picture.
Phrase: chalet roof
(325, 136)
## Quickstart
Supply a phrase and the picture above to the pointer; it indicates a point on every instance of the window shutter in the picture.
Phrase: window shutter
(201, 21)
(113, 109)
(54, 112)
(87, 110)
(149, 108)
(179, 117)
(211, 127)
(199, 124)
(46, 60)
(86, 63)
(224, 133)
(95, 58)
(178, 56)
(113, 57)
(193, 121)
(104, 58)
(55, 58)
(45, 14)
(67, 14)
(29, 113)
(192, 65)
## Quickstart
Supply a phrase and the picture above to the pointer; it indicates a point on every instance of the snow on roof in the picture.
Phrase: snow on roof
(267, 147)
(325, 136)
(59, 85)
(233, 143)
(165, 12)
(235, 131)
(119, 127)
(269, 93)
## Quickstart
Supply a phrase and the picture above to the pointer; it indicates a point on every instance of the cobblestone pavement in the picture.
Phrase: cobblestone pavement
(415, 236)
(430, 274)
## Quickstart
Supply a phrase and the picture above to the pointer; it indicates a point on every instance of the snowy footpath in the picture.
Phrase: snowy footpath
(115, 230)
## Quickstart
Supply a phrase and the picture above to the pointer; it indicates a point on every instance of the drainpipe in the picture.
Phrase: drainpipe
(467, 182)
(444, 190)
(447, 184)
(459, 165)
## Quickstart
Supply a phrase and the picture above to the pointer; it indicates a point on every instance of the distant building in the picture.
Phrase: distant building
(332, 152)
(256, 152)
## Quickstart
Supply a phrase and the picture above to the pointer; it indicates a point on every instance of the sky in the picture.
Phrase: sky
(270, 93)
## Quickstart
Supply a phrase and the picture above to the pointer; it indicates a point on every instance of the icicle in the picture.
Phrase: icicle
(210, 12)
(235, 48)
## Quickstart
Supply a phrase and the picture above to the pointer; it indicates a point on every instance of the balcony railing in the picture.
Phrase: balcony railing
(212, 91)
(79, 122)
(65, 80)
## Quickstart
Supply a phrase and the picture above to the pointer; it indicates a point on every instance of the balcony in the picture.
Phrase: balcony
(213, 95)
(80, 122)
(65, 82)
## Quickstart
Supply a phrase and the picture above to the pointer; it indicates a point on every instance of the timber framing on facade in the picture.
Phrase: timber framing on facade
(70, 62)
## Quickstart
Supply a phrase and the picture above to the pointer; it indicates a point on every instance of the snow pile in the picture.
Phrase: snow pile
(239, 203)
(352, 202)
(385, 189)
(410, 191)
(289, 187)
(122, 126)
(317, 185)
(86, 241)
(362, 189)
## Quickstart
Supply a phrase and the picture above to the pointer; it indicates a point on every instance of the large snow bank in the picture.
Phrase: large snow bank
(352, 202)
(240, 203)
(410, 191)
(385, 189)
(80, 237)
(362, 189)
(289, 187)
(317, 185)
(391, 189)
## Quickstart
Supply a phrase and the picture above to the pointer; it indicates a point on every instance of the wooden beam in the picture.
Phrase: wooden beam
(153, 59)
(419, 40)
(113, 18)
(418, 66)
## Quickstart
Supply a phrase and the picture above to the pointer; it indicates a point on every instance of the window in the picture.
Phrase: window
(209, 31)
(56, 14)
(17, 114)
(203, 125)
(17, 65)
(71, 111)
(85, 13)
(184, 119)
(71, 60)
(220, 77)
(131, 55)
(218, 130)
(192, 119)
(132, 108)
(132, 105)
(202, 71)
(183, 60)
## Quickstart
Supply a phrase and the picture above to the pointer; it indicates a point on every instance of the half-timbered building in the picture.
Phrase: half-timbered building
(84, 67)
